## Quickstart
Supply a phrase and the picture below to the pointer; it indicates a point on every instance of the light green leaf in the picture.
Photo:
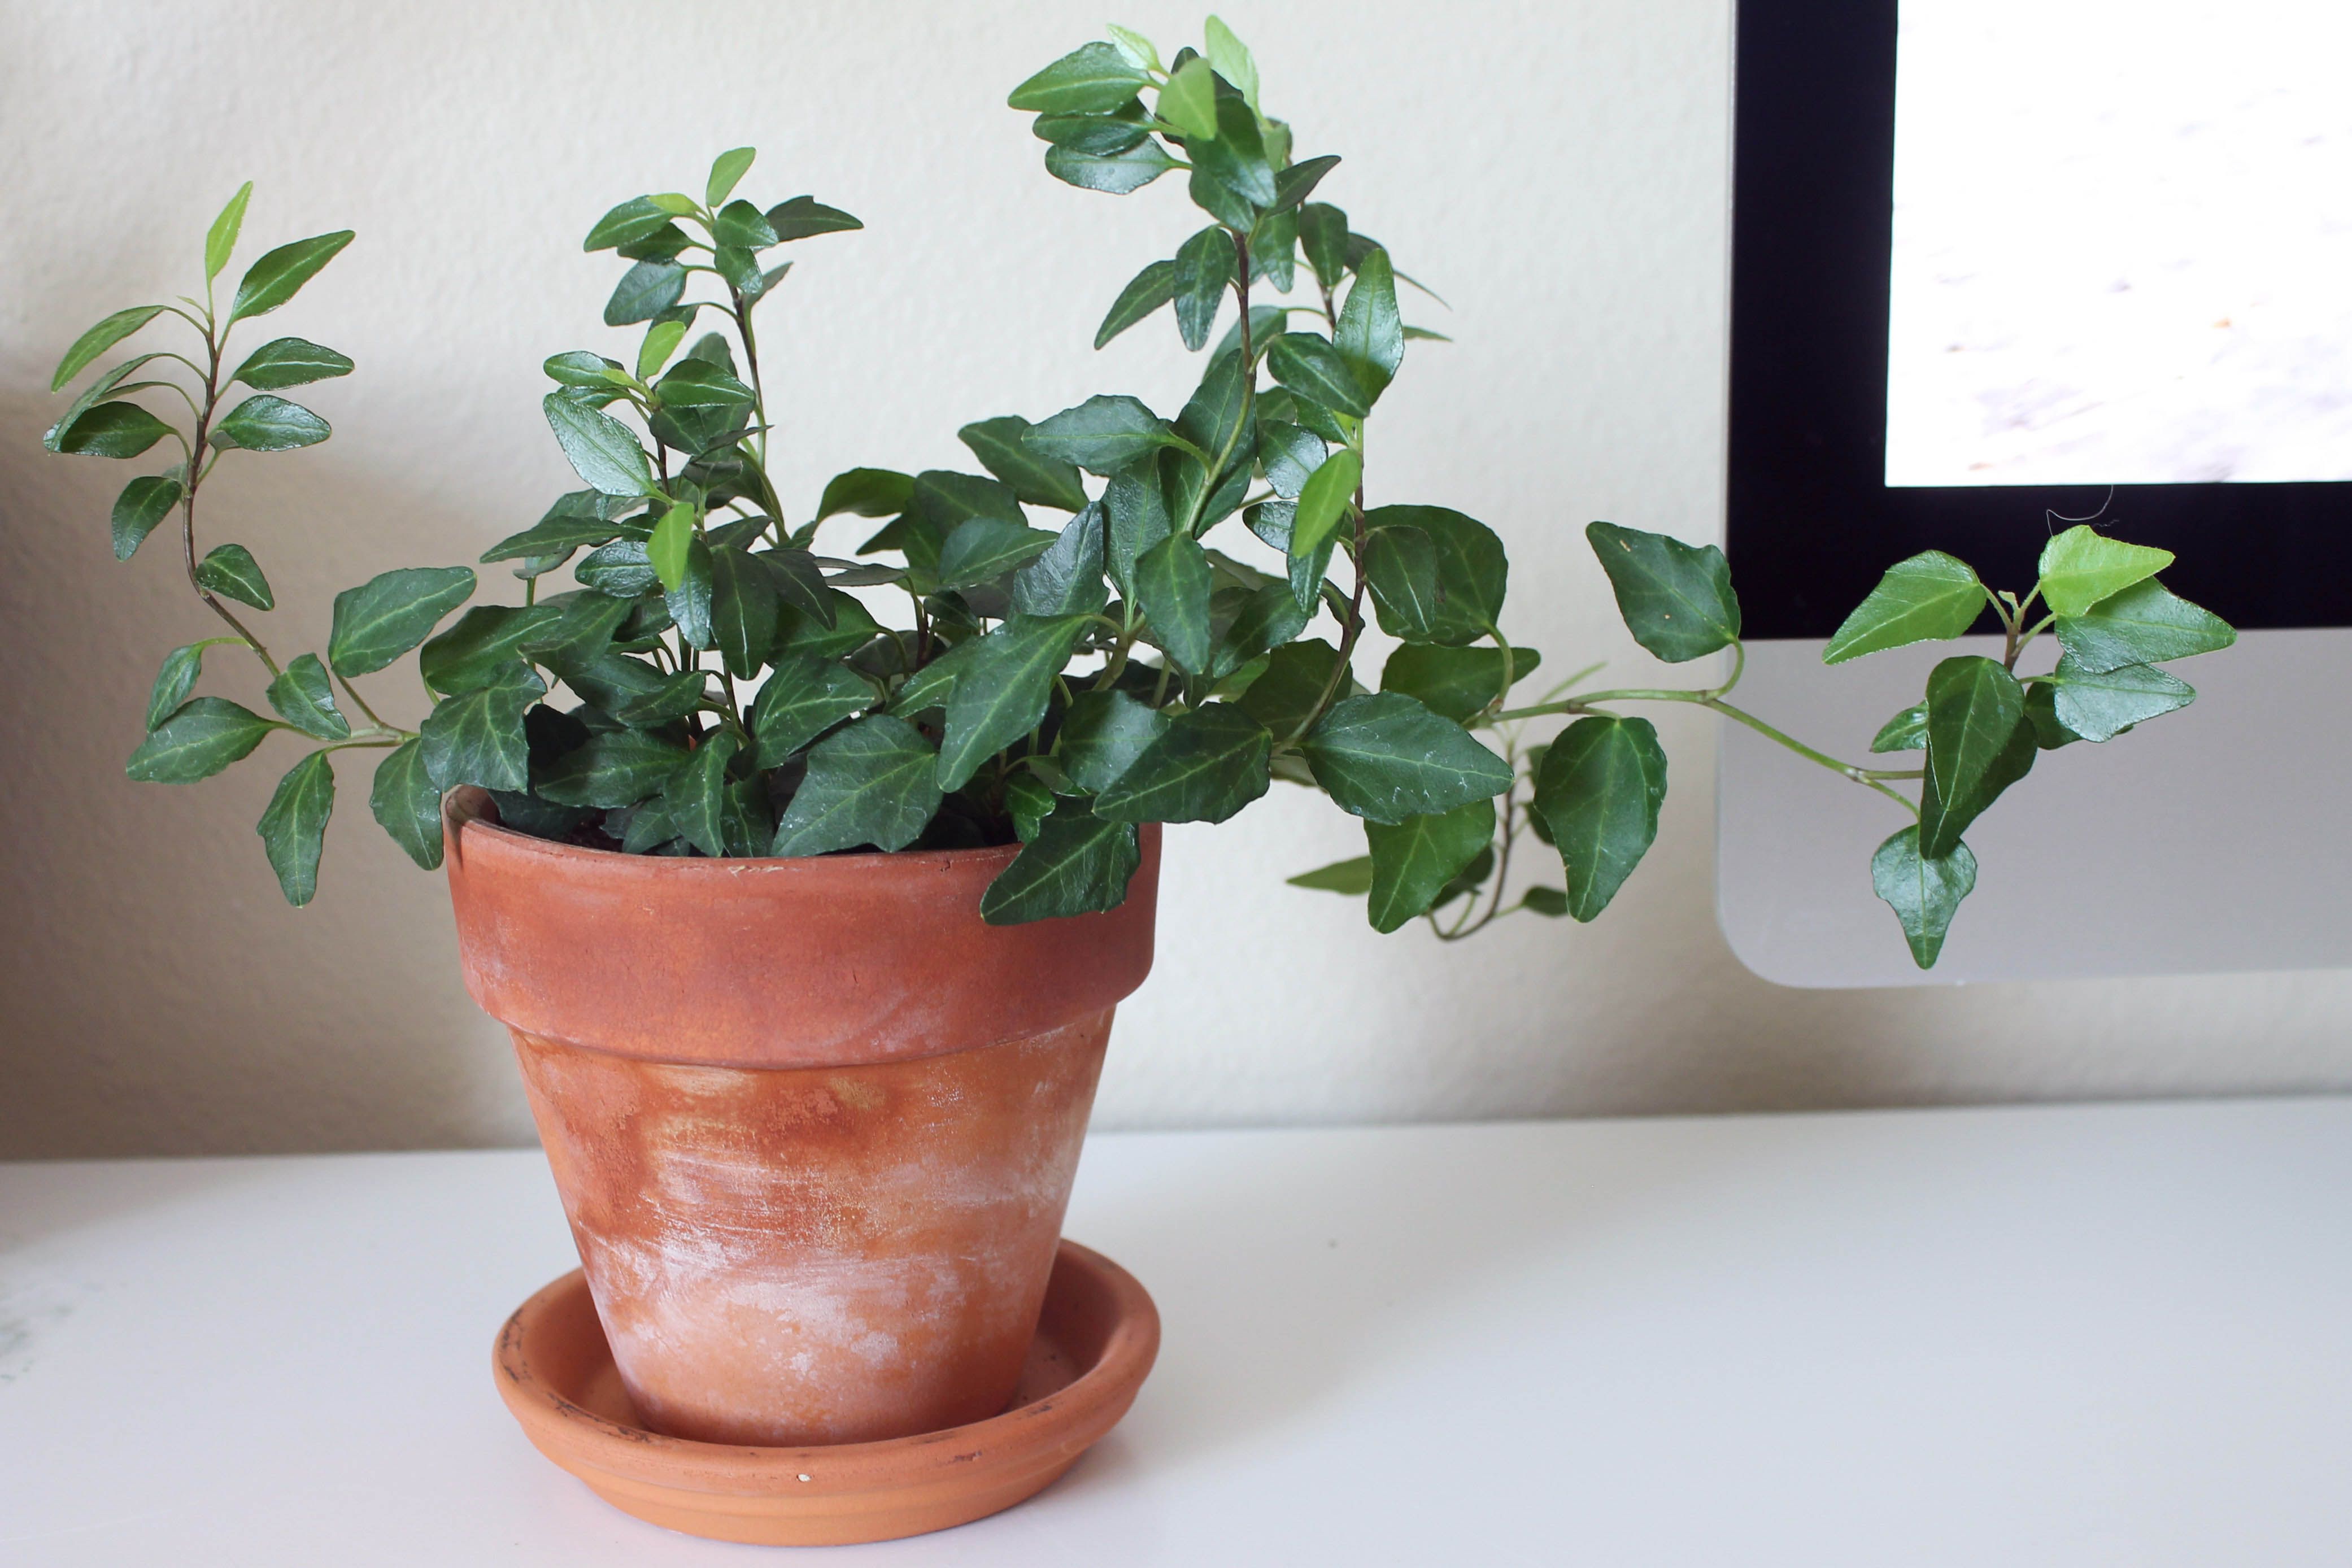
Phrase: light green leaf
(1929, 597)
(265, 424)
(632, 221)
(726, 172)
(1412, 860)
(874, 783)
(220, 240)
(1077, 864)
(231, 571)
(1324, 500)
(665, 552)
(272, 280)
(1204, 767)
(1598, 790)
(1979, 743)
(205, 736)
(385, 616)
(1093, 79)
(407, 805)
(98, 339)
(304, 698)
(1000, 692)
(2143, 624)
(2098, 705)
(2082, 566)
(1138, 49)
(661, 340)
(294, 827)
(1923, 893)
(1232, 60)
(603, 451)
(1188, 101)
(1385, 757)
(1353, 878)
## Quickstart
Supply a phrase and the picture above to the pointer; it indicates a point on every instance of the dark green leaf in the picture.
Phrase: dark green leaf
(407, 805)
(798, 632)
(802, 218)
(1094, 80)
(1103, 734)
(231, 571)
(873, 782)
(1267, 323)
(1413, 860)
(1000, 692)
(1148, 290)
(1929, 597)
(696, 796)
(1067, 579)
(1267, 618)
(1205, 265)
(291, 361)
(1289, 456)
(204, 736)
(621, 569)
(1172, 585)
(1296, 184)
(272, 280)
(176, 679)
(108, 430)
(1323, 237)
(868, 492)
(1370, 334)
(1309, 366)
(265, 424)
(2082, 566)
(482, 645)
(571, 522)
(603, 451)
(1204, 767)
(385, 616)
(305, 699)
(689, 603)
(1923, 893)
(294, 827)
(1550, 902)
(1039, 480)
(98, 339)
(799, 582)
(1028, 800)
(2099, 705)
(744, 609)
(1353, 878)
(1284, 697)
(1077, 864)
(1457, 682)
(617, 768)
(220, 240)
(1598, 790)
(645, 291)
(581, 631)
(2143, 624)
(476, 737)
(1385, 757)
(1096, 135)
(1473, 571)
(1979, 743)
(982, 549)
(145, 502)
(1401, 568)
(1102, 434)
(1135, 508)
(1113, 176)
(1907, 732)
(2041, 713)
(634, 219)
(802, 698)
(1676, 599)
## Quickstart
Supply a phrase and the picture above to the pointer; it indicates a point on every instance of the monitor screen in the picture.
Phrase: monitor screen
(2122, 245)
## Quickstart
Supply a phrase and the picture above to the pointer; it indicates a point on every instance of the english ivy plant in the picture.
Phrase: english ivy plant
(713, 684)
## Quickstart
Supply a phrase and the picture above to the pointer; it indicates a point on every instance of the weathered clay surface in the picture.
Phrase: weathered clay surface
(818, 1254)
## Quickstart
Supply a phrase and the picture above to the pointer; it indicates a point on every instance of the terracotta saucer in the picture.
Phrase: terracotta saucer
(1095, 1344)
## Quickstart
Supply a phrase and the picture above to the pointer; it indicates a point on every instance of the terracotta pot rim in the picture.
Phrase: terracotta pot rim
(466, 804)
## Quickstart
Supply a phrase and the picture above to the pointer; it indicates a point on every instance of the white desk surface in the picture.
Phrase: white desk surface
(2112, 1335)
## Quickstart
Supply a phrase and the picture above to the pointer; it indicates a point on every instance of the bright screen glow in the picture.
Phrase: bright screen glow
(2123, 243)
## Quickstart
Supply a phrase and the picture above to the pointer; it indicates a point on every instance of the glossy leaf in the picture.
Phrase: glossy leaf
(1148, 290)
(143, 504)
(265, 424)
(1324, 501)
(1598, 790)
(695, 797)
(1067, 579)
(805, 218)
(1400, 569)
(305, 697)
(385, 616)
(1473, 570)
(291, 361)
(982, 549)
(1385, 757)
(1093, 79)
(1676, 598)
(1235, 160)
(802, 698)
(621, 569)
(176, 679)
(1204, 767)
(108, 430)
(1979, 743)
(1412, 860)
(665, 551)
(2098, 705)
(274, 279)
(220, 240)
(1371, 333)
(1457, 682)
(2041, 713)
(1923, 893)
(476, 737)
(1172, 583)
(2082, 566)
(230, 570)
(1000, 692)
(1929, 597)
(614, 769)
(633, 220)
(293, 828)
(645, 291)
(867, 492)
(1114, 176)
(407, 805)
(1103, 734)
(1285, 696)
(1323, 237)
(1035, 479)
(2143, 624)
(1205, 266)
(205, 736)
(482, 644)
(743, 610)
(1077, 864)
(98, 339)
(1102, 434)
(690, 603)
(1907, 732)
(1309, 365)
(874, 783)
(1096, 136)
(603, 451)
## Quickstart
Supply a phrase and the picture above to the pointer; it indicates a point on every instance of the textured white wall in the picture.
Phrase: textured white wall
(1556, 169)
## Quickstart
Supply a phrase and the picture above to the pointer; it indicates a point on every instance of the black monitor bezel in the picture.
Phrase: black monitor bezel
(1809, 522)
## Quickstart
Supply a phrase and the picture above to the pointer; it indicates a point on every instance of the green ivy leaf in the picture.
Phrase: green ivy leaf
(1457, 682)
(802, 698)
(1067, 579)
(1104, 733)
(2082, 566)
(1473, 570)
(1000, 692)
(205, 736)
(803, 218)
(621, 569)
(603, 451)
(1204, 767)
(1296, 673)
(476, 737)
(867, 492)
(982, 549)
(1172, 585)
(1029, 802)
(407, 805)
(1676, 599)
(2099, 705)
(1296, 184)
(293, 827)
(727, 170)
(1412, 860)
(265, 424)
(1188, 101)
(1598, 790)
(874, 783)
(1096, 136)
(1309, 365)
(230, 570)
(482, 644)
(1371, 333)
(1235, 161)
(1385, 757)
(1979, 743)
(633, 220)
(1077, 864)
(743, 610)
(1324, 500)
(385, 616)
(853, 627)
(143, 504)
(1550, 902)
(696, 796)
(220, 240)
(1323, 237)
(2143, 624)
(645, 291)
(1041, 481)
(1113, 176)
(108, 430)
(1907, 732)
(1093, 79)
(274, 279)
(1289, 456)
(177, 677)
(291, 361)
(304, 698)
(1205, 265)
(1923, 893)
(1352, 878)
(1400, 569)
(1148, 290)
(98, 339)
(1930, 597)
(617, 768)
(1102, 434)
(689, 603)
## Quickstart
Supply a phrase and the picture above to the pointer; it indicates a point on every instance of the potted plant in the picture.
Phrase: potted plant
(809, 922)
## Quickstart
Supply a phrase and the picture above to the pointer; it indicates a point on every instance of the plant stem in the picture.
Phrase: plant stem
(188, 503)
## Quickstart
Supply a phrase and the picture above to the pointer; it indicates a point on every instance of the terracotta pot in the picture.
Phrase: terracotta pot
(813, 1120)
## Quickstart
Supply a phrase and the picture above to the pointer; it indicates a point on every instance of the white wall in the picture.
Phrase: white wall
(1557, 170)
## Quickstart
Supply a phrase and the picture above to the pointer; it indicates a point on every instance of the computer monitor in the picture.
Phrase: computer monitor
(1998, 265)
